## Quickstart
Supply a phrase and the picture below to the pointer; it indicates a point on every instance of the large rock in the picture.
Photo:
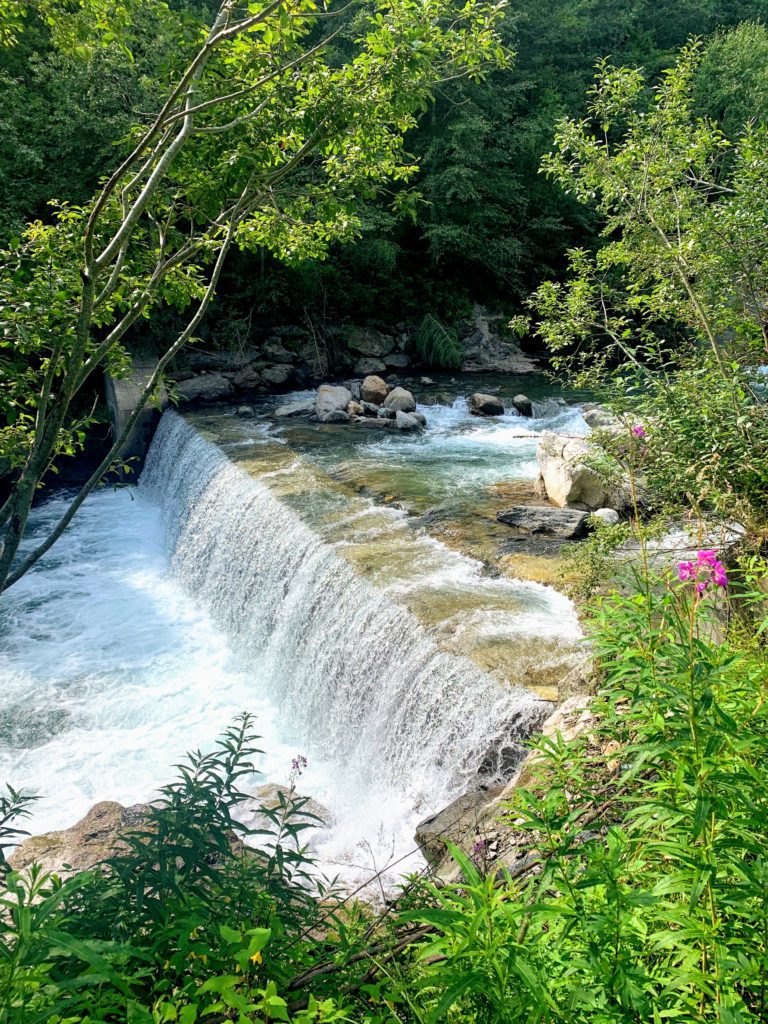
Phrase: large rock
(599, 418)
(396, 361)
(368, 365)
(407, 421)
(455, 823)
(485, 405)
(248, 378)
(275, 352)
(485, 350)
(279, 374)
(82, 846)
(369, 342)
(331, 400)
(523, 404)
(271, 797)
(374, 390)
(400, 400)
(564, 523)
(208, 387)
(569, 468)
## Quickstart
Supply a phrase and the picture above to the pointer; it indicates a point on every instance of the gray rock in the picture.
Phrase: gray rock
(373, 390)
(523, 405)
(400, 400)
(380, 422)
(369, 342)
(244, 411)
(426, 380)
(408, 421)
(598, 418)
(247, 378)
(398, 361)
(368, 365)
(334, 416)
(486, 351)
(330, 399)
(609, 516)
(564, 523)
(571, 471)
(419, 416)
(278, 374)
(208, 387)
(274, 352)
(485, 405)
(386, 414)
(296, 408)
(369, 409)
(438, 398)
(455, 824)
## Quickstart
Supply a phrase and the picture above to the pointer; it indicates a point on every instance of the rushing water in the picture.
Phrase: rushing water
(166, 610)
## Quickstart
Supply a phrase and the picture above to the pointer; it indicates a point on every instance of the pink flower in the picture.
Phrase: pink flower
(639, 430)
(708, 570)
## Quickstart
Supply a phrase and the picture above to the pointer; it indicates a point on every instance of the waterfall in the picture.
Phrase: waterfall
(353, 674)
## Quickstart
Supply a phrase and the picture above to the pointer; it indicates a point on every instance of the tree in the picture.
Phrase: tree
(283, 117)
(668, 316)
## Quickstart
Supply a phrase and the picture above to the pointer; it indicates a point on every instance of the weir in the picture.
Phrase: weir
(355, 674)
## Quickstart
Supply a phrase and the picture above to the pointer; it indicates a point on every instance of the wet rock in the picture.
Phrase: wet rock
(407, 421)
(329, 400)
(353, 387)
(369, 409)
(400, 400)
(82, 846)
(485, 405)
(608, 516)
(207, 387)
(426, 380)
(457, 823)
(373, 390)
(355, 408)
(572, 718)
(271, 797)
(420, 417)
(335, 416)
(382, 422)
(278, 374)
(244, 411)
(523, 404)
(564, 523)
(569, 471)
(367, 366)
(296, 408)
(386, 414)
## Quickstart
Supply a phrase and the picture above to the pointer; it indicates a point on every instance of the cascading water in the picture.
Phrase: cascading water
(353, 673)
(355, 638)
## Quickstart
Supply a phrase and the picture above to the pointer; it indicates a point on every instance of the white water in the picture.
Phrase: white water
(160, 615)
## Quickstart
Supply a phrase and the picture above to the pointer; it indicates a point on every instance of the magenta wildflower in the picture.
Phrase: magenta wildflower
(639, 430)
(299, 763)
(706, 571)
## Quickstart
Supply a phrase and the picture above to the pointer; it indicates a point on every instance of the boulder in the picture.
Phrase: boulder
(485, 405)
(369, 409)
(387, 414)
(485, 350)
(296, 408)
(407, 421)
(244, 411)
(207, 387)
(373, 390)
(397, 361)
(598, 418)
(400, 400)
(331, 399)
(275, 352)
(335, 416)
(269, 798)
(380, 421)
(278, 374)
(90, 841)
(563, 523)
(523, 404)
(247, 379)
(569, 471)
(608, 516)
(355, 408)
(420, 417)
(368, 342)
(455, 823)
(368, 365)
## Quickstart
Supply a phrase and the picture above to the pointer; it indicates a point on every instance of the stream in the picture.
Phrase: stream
(322, 578)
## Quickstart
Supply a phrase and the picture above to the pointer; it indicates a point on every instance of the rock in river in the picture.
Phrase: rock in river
(374, 390)
(407, 421)
(400, 400)
(331, 400)
(523, 404)
(565, 523)
(485, 405)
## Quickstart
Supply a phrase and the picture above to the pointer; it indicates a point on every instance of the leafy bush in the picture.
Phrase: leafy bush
(648, 897)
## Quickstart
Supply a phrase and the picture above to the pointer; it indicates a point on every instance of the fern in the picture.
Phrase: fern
(439, 346)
